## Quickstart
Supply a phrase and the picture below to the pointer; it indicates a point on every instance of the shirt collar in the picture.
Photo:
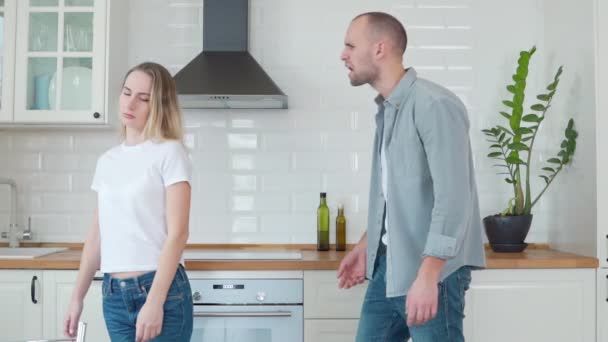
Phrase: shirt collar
(400, 91)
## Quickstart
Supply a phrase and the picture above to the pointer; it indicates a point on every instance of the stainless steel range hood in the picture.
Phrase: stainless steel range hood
(224, 74)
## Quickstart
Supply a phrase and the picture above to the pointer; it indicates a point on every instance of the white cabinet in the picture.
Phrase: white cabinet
(330, 330)
(323, 298)
(57, 293)
(7, 58)
(540, 305)
(21, 305)
(34, 303)
(67, 63)
(60, 61)
(602, 305)
(330, 314)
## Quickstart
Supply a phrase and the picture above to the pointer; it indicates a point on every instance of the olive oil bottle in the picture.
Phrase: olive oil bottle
(340, 229)
(323, 224)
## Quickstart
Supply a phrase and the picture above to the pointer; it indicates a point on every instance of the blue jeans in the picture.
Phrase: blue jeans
(123, 298)
(384, 319)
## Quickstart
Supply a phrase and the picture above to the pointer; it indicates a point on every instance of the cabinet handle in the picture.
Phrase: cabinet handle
(96, 115)
(33, 290)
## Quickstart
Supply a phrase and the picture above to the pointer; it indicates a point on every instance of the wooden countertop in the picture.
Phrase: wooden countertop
(535, 256)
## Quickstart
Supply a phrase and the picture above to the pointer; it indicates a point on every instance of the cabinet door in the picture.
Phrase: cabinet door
(323, 298)
(7, 58)
(540, 305)
(330, 330)
(602, 305)
(58, 291)
(20, 316)
(60, 61)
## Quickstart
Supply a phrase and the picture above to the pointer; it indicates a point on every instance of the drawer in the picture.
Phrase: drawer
(330, 330)
(323, 298)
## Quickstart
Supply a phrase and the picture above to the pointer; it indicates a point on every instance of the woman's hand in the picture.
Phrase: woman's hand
(149, 321)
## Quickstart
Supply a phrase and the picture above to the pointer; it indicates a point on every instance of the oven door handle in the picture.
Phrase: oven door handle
(243, 314)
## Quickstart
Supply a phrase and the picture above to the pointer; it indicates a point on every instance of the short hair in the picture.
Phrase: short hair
(384, 24)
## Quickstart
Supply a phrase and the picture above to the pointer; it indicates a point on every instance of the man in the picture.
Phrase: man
(424, 229)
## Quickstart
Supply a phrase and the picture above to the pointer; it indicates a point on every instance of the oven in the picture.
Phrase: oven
(248, 310)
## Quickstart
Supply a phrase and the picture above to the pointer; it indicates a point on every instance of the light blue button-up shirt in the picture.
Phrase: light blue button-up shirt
(432, 207)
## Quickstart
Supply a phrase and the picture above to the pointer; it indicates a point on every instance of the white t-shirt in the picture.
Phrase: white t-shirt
(384, 167)
(130, 182)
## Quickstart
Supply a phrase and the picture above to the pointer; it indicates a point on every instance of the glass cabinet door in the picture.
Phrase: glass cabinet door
(7, 58)
(64, 61)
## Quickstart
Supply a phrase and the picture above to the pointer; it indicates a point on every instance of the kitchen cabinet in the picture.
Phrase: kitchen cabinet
(68, 57)
(330, 314)
(501, 305)
(58, 286)
(602, 305)
(540, 305)
(7, 57)
(34, 305)
(21, 310)
(330, 330)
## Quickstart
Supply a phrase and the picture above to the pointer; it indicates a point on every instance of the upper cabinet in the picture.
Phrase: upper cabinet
(61, 61)
(7, 58)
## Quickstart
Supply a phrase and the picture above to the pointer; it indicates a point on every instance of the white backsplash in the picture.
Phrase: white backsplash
(258, 173)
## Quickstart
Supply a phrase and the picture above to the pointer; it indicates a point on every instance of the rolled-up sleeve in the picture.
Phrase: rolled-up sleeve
(443, 129)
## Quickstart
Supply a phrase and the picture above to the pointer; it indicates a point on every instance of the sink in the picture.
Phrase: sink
(28, 252)
(194, 254)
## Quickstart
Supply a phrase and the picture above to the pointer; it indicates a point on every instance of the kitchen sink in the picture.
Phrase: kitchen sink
(28, 252)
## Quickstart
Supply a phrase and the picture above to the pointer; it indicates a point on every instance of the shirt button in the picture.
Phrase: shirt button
(123, 284)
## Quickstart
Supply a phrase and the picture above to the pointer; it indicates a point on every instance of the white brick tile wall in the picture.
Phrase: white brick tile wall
(258, 173)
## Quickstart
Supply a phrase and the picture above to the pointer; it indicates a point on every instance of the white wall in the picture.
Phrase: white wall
(571, 206)
(258, 173)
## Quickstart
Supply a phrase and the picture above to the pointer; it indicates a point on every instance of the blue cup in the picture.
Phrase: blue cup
(41, 91)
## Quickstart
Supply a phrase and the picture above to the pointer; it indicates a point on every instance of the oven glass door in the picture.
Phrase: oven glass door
(228, 323)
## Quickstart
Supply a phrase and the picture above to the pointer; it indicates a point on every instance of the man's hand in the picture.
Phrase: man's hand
(352, 268)
(422, 299)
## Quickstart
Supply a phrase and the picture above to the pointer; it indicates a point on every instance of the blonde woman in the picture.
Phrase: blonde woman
(140, 226)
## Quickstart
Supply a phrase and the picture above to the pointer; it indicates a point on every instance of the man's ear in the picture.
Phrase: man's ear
(380, 49)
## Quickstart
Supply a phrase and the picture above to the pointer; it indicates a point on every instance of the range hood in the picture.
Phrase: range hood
(224, 74)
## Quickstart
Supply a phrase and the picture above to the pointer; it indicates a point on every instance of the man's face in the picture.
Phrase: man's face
(358, 54)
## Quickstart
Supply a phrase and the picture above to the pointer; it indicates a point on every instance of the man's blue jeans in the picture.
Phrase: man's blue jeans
(123, 298)
(384, 319)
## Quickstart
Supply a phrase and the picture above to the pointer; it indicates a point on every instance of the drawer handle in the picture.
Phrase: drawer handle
(33, 290)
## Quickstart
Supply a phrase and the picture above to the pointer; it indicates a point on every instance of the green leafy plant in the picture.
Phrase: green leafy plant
(512, 144)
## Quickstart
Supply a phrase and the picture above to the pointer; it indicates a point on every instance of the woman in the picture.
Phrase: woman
(140, 226)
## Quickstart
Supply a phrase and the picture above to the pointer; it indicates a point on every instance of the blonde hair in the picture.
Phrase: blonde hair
(165, 118)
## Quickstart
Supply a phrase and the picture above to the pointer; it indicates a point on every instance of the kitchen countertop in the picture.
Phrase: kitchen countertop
(535, 256)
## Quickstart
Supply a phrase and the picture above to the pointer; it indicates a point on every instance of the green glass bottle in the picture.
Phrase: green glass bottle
(340, 229)
(323, 224)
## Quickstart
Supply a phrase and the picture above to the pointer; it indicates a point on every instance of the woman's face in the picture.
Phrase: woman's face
(134, 100)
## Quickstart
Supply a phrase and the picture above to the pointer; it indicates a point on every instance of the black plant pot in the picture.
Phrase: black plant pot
(507, 233)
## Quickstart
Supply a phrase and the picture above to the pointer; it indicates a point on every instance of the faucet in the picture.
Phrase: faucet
(12, 233)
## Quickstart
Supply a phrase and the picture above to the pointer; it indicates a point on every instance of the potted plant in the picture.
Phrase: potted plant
(512, 146)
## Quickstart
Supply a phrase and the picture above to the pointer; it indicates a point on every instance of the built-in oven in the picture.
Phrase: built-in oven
(248, 310)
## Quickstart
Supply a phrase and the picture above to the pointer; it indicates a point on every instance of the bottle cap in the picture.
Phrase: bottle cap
(323, 194)
(340, 206)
